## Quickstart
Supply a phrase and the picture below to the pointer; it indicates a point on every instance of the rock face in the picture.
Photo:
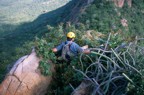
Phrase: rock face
(124, 22)
(83, 89)
(25, 78)
(92, 35)
(77, 8)
(120, 3)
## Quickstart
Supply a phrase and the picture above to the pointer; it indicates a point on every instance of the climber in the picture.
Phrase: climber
(69, 48)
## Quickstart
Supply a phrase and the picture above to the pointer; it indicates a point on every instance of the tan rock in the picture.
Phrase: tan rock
(25, 78)
(120, 3)
(92, 35)
(82, 89)
(124, 22)
(129, 2)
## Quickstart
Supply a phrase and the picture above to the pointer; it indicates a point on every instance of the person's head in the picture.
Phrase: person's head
(70, 36)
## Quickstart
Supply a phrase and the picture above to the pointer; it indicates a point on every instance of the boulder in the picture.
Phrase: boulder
(92, 35)
(120, 3)
(25, 78)
(124, 22)
(83, 89)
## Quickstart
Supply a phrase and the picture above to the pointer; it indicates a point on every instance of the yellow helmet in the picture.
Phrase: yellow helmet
(71, 35)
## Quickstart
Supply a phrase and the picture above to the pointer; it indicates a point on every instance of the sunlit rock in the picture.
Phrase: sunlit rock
(120, 3)
(25, 78)
(83, 89)
(124, 22)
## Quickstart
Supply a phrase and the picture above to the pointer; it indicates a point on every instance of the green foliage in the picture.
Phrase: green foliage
(99, 67)
(65, 75)
(116, 40)
(45, 67)
(20, 25)
(101, 16)
(105, 17)
(8, 57)
(64, 71)
(25, 11)
(44, 47)
(137, 87)
(43, 51)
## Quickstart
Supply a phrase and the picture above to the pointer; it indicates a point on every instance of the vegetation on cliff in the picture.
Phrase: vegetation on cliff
(114, 73)
(111, 70)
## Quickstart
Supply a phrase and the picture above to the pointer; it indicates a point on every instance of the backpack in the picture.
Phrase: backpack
(66, 52)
